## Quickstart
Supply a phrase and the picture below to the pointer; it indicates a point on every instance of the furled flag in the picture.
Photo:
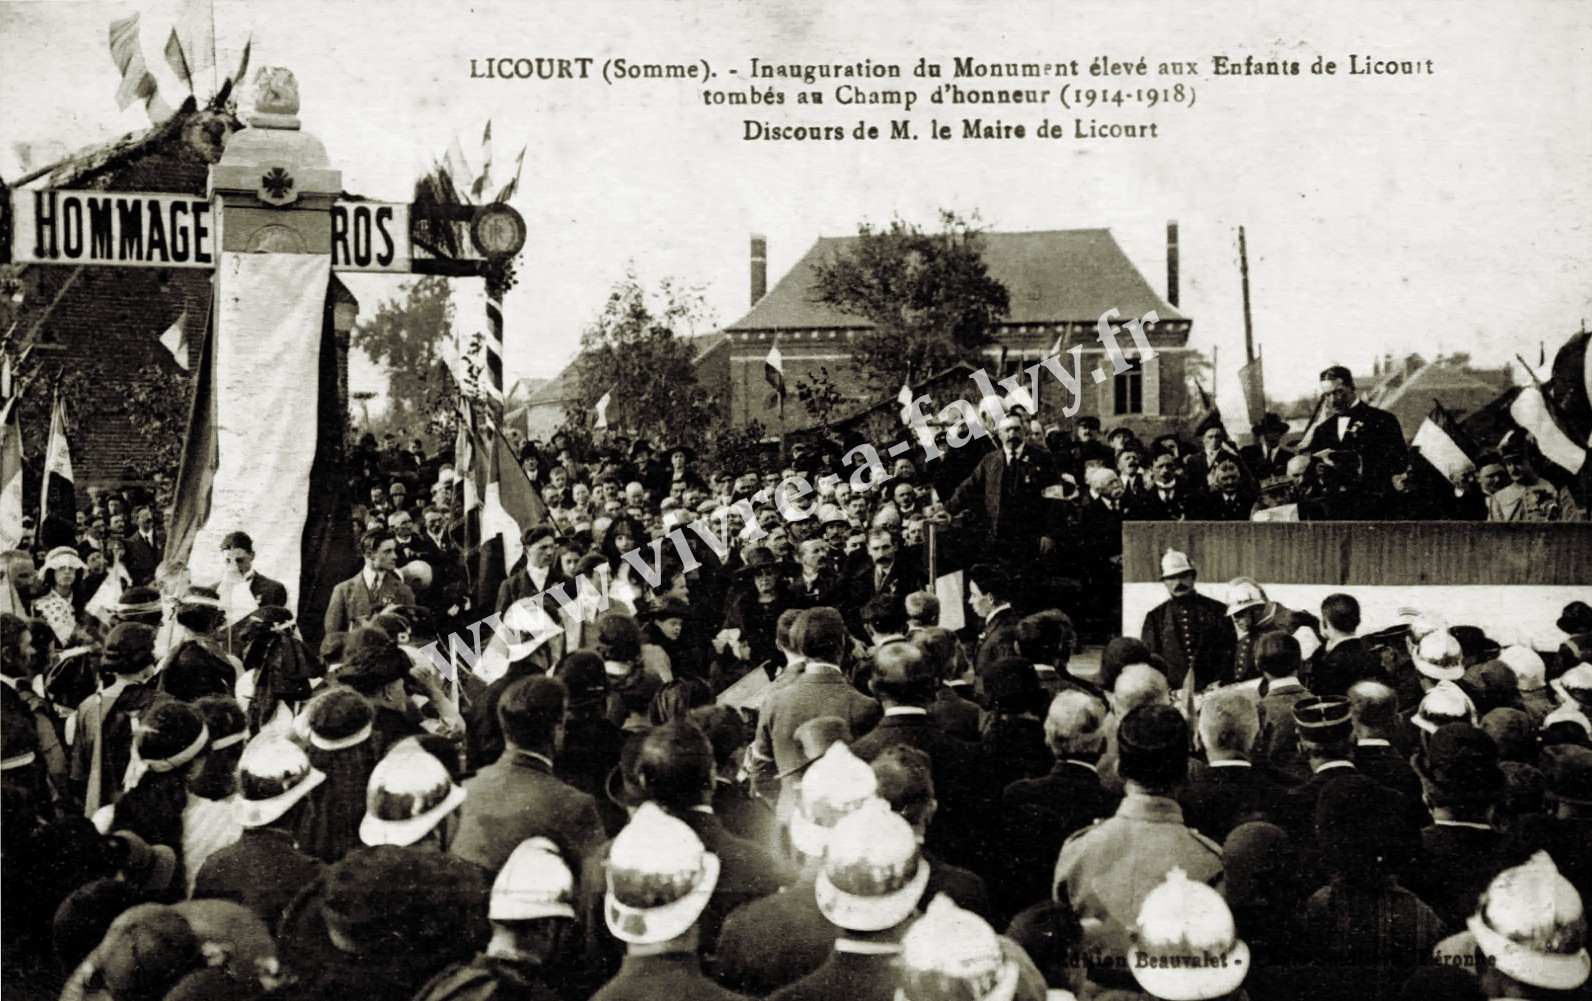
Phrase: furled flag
(510, 505)
(201, 455)
(10, 478)
(1442, 443)
(175, 340)
(56, 492)
(513, 186)
(178, 59)
(1252, 381)
(602, 409)
(458, 169)
(138, 84)
(774, 370)
(478, 190)
(905, 398)
(243, 64)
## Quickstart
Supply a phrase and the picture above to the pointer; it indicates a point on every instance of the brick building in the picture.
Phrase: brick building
(1059, 281)
(97, 328)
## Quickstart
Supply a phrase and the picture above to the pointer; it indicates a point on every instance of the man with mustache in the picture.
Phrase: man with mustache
(1190, 631)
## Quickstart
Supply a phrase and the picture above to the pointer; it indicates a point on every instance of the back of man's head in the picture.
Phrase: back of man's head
(1075, 726)
(783, 626)
(1341, 612)
(676, 765)
(1373, 708)
(1046, 637)
(939, 646)
(906, 782)
(1277, 655)
(1140, 685)
(884, 614)
(991, 579)
(923, 609)
(531, 710)
(1229, 723)
(902, 675)
(819, 634)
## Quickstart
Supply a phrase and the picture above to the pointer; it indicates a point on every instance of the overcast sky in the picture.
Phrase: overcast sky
(1384, 214)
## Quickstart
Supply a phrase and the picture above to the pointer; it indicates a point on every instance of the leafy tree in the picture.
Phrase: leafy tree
(929, 296)
(821, 396)
(635, 352)
(408, 337)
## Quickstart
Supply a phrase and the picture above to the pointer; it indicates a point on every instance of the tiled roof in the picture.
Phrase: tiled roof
(1070, 275)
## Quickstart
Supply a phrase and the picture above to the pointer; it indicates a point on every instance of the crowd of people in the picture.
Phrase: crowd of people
(781, 761)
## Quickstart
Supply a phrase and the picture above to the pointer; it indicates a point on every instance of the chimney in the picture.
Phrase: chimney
(1171, 263)
(759, 267)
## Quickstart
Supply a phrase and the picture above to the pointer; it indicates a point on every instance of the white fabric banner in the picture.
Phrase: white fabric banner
(268, 345)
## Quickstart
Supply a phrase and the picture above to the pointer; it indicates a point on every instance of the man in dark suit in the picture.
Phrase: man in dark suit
(817, 582)
(1374, 711)
(1226, 789)
(1044, 812)
(1348, 424)
(373, 588)
(144, 547)
(1277, 656)
(1189, 631)
(237, 550)
(1167, 497)
(1344, 658)
(903, 681)
(1007, 488)
(541, 570)
(989, 593)
(1267, 458)
(883, 573)
(1460, 850)
(1326, 737)
(518, 796)
(1230, 498)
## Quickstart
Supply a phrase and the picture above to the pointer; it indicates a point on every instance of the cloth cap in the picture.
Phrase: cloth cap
(873, 873)
(1445, 703)
(534, 883)
(954, 955)
(130, 646)
(1174, 563)
(273, 775)
(1324, 718)
(813, 738)
(1567, 769)
(1530, 673)
(660, 878)
(1185, 945)
(834, 786)
(409, 794)
(1242, 593)
(1460, 765)
(1440, 657)
(1531, 926)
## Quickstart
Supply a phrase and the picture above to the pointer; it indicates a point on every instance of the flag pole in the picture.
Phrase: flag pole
(1243, 271)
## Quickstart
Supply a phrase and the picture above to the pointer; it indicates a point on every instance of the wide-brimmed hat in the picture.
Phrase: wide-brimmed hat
(1576, 618)
(757, 559)
(273, 775)
(409, 794)
(954, 955)
(666, 607)
(534, 883)
(1440, 657)
(139, 601)
(1185, 944)
(1270, 423)
(813, 738)
(62, 557)
(660, 878)
(339, 718)
(690, 453)
(1445, 703)
(834, 786)
(1531, 926)
(130, 647)
(873, 873)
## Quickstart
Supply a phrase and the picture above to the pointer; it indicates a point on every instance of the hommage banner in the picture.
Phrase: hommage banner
(267, 360)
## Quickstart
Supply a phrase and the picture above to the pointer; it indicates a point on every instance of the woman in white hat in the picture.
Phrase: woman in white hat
(1185, 945)
(409, 797)
(61, 605)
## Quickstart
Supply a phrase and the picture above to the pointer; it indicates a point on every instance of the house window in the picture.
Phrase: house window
(1128, 395)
